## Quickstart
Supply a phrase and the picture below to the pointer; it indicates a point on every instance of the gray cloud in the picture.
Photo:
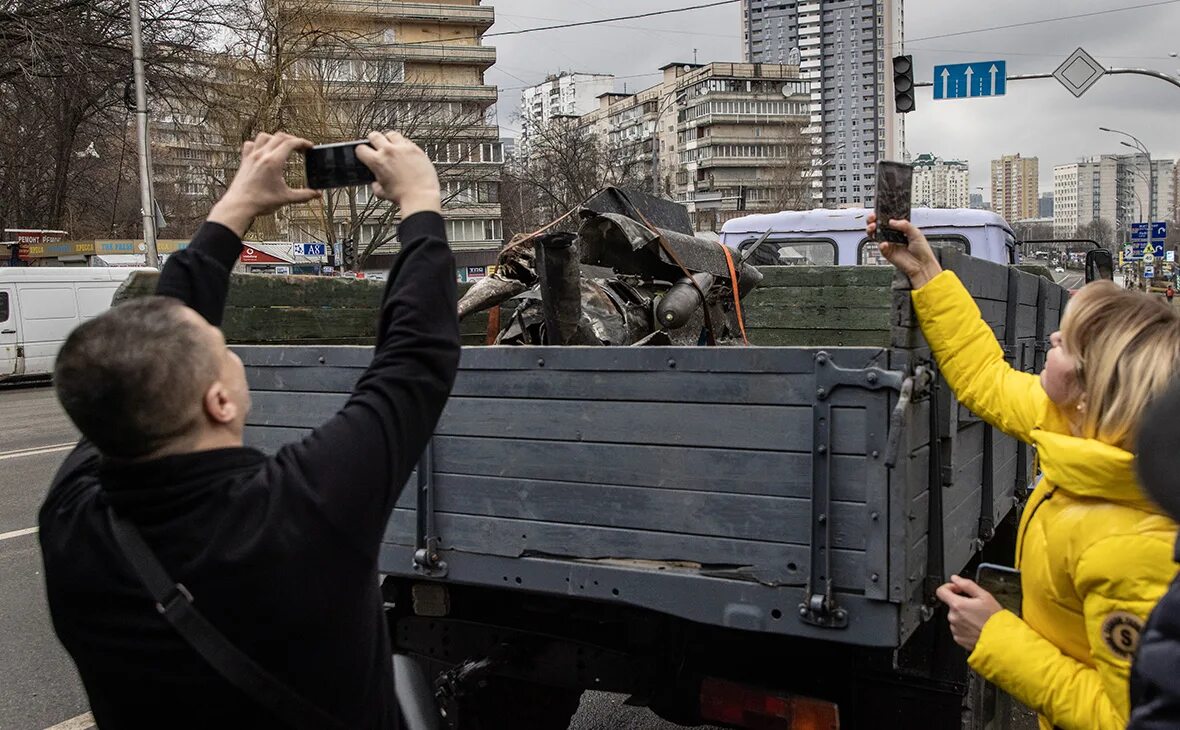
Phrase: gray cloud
(1037, 118)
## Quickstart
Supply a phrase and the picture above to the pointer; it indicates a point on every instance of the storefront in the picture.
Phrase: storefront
(281, 258)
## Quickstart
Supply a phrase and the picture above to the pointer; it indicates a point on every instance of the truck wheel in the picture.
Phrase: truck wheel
(512, 704)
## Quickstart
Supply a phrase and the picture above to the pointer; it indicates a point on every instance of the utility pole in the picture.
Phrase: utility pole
(146, 201)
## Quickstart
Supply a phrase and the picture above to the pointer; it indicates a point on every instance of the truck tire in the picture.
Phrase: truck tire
(512, 704)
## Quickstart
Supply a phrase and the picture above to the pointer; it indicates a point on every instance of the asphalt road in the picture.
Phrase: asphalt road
(40, 688)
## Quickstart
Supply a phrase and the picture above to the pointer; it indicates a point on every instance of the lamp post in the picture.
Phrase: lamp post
(141, 127)
(1140, 147)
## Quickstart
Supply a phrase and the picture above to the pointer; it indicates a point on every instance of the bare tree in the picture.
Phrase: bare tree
(789, 177)
(1100, 230)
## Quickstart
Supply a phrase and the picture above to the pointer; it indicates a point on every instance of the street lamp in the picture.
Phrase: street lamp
(1140, 147)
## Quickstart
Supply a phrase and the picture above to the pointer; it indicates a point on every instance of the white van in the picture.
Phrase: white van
(837, 237)
(40, 306)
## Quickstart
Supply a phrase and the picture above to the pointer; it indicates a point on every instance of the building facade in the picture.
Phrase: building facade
(842, 47)
(1015, 187)
(940, 183)
(1114, 188)
(1045, 206)
(727, 138)
(567, 94)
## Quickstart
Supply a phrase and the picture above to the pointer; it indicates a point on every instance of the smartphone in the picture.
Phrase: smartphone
(895, 182)
(1002, 582)
(336, 166)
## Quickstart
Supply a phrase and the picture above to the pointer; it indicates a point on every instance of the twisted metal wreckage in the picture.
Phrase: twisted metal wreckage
(621, 280)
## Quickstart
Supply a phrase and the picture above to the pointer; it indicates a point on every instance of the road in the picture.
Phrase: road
(1071, 279)
(40, 687)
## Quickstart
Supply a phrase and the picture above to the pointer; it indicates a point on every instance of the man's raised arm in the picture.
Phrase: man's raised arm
(199, 275)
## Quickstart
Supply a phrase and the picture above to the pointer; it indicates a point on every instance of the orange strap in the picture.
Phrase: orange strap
(737, 299)
(493, 328)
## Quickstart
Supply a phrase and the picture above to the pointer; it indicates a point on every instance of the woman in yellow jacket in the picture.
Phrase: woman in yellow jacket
(1094, 553)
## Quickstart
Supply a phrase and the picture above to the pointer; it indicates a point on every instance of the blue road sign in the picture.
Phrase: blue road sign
(1140, 231)
(1159, 230)
(968, 80)
(310, 249)
(1148, 272)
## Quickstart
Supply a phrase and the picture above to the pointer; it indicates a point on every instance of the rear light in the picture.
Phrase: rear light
(734, 704)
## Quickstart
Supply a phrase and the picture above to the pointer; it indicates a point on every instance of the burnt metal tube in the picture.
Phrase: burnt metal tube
(559, 274)
(677, 306)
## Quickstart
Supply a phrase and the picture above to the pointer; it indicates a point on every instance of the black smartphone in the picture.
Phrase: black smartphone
(336, 166)
(895, 182)
(1002, 582)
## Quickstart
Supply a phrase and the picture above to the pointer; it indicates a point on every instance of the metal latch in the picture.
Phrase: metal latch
(819, 607)
(427, 560)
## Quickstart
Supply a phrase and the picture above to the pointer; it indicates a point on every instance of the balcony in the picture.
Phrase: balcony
(479, 16)
(446, 92)
(482, 56)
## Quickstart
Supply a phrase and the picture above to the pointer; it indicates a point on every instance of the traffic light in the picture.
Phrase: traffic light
(903, 84)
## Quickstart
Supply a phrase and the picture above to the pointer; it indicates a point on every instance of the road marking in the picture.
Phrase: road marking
(81, 722)
(17, 533)
(35, 451)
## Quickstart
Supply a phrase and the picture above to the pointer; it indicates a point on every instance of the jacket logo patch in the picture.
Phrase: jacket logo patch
(1120, 633)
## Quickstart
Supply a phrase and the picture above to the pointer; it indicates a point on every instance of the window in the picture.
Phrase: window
(791, 251)
(3, 306)
(869, 255)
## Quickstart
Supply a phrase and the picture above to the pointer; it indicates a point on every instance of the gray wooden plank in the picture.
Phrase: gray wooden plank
(306, 355)
(269, 439)
(741, 517)
(322, 379)
(778, 563)
(654, 359)
(703, 469)
(666, 385)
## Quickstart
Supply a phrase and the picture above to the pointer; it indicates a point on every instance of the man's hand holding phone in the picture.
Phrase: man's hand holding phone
(404, 173)
(260, 185)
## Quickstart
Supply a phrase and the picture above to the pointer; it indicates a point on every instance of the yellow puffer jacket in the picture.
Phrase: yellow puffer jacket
(1095, 555)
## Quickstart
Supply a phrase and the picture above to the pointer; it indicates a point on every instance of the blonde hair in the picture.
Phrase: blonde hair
(1127, 348)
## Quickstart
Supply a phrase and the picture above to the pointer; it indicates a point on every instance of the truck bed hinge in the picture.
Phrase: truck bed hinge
(819, 607)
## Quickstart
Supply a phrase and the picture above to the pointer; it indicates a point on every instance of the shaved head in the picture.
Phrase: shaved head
(133, 379)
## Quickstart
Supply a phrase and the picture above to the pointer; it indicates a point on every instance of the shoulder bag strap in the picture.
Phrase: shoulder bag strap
(175, 603)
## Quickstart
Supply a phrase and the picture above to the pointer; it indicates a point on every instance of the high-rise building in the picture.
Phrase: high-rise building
(728, 138)
(1114, 188)
(940, 183)
(563, 94)
(843, 47)
(1045, 206)
(975, 200)
(1015, 187)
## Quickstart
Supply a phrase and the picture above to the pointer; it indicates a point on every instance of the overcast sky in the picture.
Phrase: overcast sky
(1038, 118)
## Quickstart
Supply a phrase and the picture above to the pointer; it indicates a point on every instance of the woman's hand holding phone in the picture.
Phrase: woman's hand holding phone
(915, 259)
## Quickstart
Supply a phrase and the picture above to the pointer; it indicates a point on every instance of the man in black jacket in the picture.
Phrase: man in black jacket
(1155, 672)
(279, 553)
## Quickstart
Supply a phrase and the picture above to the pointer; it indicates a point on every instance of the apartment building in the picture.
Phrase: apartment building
(940, 183)
(565, 94)
(727, 138)
(1015, 187)
(842, 47)
(1114, 188)
(1045, 206)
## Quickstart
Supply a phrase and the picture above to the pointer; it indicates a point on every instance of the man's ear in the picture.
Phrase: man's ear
(219, 406)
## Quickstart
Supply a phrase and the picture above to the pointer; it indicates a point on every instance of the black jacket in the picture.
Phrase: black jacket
(280, 552)
(1155, 673)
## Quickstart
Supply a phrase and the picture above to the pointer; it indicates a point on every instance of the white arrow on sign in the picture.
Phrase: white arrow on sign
(993, 72)
(969, 73)
(945, 75)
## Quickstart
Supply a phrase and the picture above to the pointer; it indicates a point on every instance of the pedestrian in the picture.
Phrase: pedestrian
(1170, 293)
(275, 556)
(1094, 552)
(1155, 673)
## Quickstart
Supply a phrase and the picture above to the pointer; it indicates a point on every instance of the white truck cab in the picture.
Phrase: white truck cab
(40, 306)
(827, 237)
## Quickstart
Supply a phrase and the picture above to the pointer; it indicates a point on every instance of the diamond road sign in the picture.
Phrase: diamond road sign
(1079, 72)
(968, 80)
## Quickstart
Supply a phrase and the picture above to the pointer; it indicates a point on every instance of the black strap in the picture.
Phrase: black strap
(175, 603)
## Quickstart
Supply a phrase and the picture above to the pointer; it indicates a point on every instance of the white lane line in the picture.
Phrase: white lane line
(81, 722)
(35, 451)
(17, 533)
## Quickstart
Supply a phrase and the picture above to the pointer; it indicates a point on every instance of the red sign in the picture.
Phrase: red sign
(29, 236)
(254, 256)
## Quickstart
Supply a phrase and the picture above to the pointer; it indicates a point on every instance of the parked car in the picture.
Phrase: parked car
(40, 306)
